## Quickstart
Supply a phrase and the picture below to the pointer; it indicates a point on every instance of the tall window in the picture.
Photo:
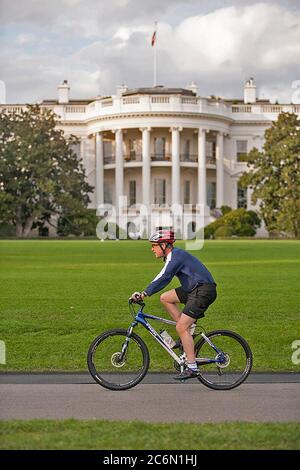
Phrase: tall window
(210, 149)
(160, 191)
(187, 192)
(211, 194)
(108, 151)
(241, 150)
(107, 193)
(186, 150)
(241, 197)
(132, 192)
(135, 148)
(160, 148)
(76, 149)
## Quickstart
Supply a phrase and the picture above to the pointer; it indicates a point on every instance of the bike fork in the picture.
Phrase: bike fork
(125, 345)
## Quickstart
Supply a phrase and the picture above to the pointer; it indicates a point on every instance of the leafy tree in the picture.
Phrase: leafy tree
(274, 176)
(40, 174)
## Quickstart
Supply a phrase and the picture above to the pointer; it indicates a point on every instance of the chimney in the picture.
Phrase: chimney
(63, 92)
(121, 89)
(193, 87)
(250, 91)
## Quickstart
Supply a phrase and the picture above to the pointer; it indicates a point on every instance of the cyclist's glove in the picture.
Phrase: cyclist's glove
(138, 296)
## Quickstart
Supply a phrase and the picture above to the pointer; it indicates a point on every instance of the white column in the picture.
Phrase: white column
(220, 170)
(146, 174)
(175, 165)
(99, 169)
(119, 172)
(202, 199)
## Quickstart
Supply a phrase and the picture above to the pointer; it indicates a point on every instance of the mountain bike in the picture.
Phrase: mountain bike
(119, 359)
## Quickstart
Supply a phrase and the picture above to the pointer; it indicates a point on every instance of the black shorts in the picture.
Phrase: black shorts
(197, 301)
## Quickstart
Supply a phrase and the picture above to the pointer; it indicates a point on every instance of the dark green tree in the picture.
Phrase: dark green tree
(40, 174)
(274, 176)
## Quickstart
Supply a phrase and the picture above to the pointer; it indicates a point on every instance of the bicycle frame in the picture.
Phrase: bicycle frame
(141, 318)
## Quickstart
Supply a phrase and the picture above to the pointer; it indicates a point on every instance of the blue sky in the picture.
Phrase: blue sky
(97, 45)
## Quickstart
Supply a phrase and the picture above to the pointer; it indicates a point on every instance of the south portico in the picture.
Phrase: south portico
(166, 156)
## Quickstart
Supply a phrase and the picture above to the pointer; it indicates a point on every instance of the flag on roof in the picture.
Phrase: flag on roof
(153, 37)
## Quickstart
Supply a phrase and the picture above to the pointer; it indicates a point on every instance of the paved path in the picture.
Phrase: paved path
(188, 402)
(151, 378)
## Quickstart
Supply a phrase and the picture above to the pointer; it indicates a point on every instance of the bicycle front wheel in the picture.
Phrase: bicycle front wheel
(116, 361)
(234, 362)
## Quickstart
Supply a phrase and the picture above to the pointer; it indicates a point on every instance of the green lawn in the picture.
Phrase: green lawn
(134, 435)
(56, 296)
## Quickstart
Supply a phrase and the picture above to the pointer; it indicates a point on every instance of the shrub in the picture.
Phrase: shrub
(84, 224)
(242, 223)
(223, 231)
(225, 209)
(7, 230)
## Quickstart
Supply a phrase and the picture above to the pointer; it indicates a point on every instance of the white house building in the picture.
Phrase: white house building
(166, 146)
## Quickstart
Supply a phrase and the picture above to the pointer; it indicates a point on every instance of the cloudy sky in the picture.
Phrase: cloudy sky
(99, 44)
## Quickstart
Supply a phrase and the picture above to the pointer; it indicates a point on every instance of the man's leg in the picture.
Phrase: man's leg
(183, 329)
(170, 302)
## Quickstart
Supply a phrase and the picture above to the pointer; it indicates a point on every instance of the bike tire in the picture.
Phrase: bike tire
(209, 375)
(113, 375)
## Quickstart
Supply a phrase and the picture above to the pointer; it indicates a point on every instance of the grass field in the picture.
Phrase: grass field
(133, 435)
(56, 296)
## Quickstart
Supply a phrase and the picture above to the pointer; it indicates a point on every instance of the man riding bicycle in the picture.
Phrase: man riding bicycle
(197, 291)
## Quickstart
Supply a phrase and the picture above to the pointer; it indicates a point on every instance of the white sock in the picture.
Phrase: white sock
(192, 365)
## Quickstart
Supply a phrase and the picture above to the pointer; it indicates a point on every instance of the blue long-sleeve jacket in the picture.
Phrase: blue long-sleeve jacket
(189, 270)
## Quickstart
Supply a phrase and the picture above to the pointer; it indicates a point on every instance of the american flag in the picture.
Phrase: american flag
(153, 38)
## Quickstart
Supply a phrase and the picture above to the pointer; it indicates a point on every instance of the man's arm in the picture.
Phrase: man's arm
(164, 277)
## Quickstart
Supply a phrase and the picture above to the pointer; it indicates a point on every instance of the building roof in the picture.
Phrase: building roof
(159, 90)
(70, 102)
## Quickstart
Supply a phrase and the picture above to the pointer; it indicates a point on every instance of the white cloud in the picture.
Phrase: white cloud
(262, 36)
(25, 38)
(98, 45)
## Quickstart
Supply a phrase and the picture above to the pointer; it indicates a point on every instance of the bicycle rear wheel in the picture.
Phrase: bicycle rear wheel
(234, 363)
(116, 361)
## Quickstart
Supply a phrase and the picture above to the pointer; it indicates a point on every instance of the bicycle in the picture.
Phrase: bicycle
(119, 359)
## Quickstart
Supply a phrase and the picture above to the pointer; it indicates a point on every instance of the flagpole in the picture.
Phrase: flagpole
(154, 67)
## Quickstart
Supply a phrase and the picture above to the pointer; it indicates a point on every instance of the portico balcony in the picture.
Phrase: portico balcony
(161, 157)
(133, 157)
(109, 159)
(184, 157)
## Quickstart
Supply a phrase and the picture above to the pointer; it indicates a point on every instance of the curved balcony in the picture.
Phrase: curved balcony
(159, 159)
(109, 159)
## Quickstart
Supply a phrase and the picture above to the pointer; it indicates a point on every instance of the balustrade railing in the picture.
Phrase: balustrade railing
(161, 157)
(109, 159)
(188, 157)
(133, 157)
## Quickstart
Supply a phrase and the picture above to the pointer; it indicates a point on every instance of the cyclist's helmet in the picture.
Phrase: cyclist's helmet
(163, 236)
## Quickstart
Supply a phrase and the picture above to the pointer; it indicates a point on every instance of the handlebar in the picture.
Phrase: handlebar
(138, 301)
